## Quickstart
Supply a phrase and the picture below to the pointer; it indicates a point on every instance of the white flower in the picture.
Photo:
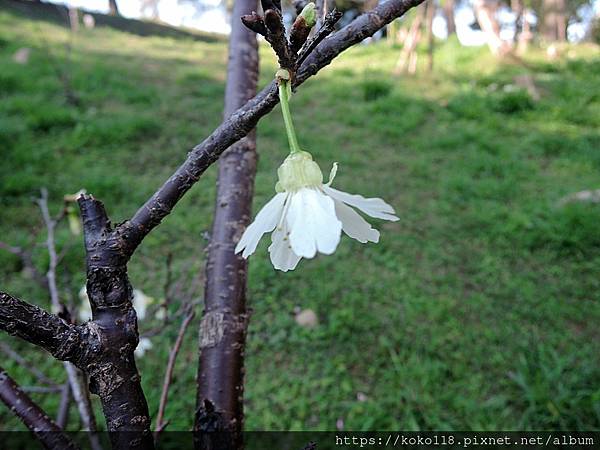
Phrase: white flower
(307, 216)
(144, 345)
(85, 309)
(140, 303)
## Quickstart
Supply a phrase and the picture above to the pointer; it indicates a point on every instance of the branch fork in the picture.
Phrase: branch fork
(293, 51)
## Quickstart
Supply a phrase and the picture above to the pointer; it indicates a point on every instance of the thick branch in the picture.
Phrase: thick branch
(245, 118)
(49, 434)
(113, 372)
(41, 328)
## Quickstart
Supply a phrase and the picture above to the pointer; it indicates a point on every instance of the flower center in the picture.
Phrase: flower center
(298, 171)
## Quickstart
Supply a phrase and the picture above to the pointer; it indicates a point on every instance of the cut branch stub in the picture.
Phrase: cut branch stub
(112, 371)
(255, 23)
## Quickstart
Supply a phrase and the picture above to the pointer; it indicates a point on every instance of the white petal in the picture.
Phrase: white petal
(332, 174)
(374, 207)
(312, 223)
(266, 220)
(354, 225)
(282, 255)
(140, 303)
(143, 345)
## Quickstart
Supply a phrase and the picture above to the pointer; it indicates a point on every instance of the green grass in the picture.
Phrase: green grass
(479, 309)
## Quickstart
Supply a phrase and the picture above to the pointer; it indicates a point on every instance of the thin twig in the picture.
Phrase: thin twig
(62, 416)
(42, 389)
(5, 348)
(27, 262)
(75, 376)
(81, 395)
(160, 425)
(50, 223)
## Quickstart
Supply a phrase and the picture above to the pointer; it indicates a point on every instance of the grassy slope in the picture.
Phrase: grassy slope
(478, 310)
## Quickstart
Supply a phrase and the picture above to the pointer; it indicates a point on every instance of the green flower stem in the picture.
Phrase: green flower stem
(287, 116)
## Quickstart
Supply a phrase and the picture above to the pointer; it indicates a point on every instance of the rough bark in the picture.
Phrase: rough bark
(223, 328)
(112, 370)
(34, 418)
(18, 318)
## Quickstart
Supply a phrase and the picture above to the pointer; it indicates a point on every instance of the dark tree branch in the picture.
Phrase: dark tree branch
(255, 23)
(49, 434)
(246, 117)
(113, 373)
(276, 37)
(223, 327)
(33, 324)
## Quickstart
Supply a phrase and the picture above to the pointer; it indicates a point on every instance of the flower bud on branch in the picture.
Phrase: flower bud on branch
(302, 26)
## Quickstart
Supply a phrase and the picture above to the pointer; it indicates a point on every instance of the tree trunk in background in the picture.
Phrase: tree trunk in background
(517, 7)
(113, 9)
(526, 35)
(485, 12)
(431, 8)
(220, 379)
(554, 20)
(448, 7)
(320, 6)
(408, 56)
